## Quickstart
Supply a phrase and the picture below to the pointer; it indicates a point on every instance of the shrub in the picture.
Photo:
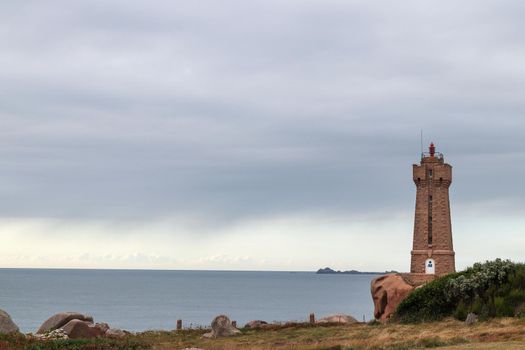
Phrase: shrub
(427, 303)
(491, 289)
(478, 278)
(461, 311)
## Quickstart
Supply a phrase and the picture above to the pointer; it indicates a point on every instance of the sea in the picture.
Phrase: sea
(139, 300)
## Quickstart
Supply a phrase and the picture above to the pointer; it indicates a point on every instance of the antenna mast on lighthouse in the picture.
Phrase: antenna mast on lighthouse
(421, 143)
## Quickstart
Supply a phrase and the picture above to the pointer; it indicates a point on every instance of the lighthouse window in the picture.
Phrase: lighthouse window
(430, 173)
(430, 230)
(429, 220)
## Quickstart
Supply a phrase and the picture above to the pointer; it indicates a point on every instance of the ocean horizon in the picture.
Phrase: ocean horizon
(145, 299)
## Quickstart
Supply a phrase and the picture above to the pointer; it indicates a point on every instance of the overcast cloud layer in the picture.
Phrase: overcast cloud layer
(255, 134)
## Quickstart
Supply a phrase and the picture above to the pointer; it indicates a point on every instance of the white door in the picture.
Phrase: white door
(430, 267)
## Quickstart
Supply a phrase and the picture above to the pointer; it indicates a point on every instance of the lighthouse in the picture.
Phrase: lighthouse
(432, 250)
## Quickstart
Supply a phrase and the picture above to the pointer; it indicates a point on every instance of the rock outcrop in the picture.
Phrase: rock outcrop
(255, 324)
(338, 318)
(116, 333)
(6, 323)
(387, 292)
(471, 319)
(75, 325)
(61, 319)
(221, 326)
(76, 329)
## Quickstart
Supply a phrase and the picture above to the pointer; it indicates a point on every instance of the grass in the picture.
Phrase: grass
(488, 346)
(496, 334)
(19, 342)
(443, 335)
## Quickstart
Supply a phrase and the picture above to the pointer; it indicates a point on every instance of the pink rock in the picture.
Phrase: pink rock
(221, 326)
(115, 333)
(81, 329)
(6, 323)
(387, 292)
(102, 326)
(59, 320)
(255, 324)
(338, 318)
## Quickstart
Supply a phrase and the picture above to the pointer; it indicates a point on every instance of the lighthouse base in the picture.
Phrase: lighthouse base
(432, 262)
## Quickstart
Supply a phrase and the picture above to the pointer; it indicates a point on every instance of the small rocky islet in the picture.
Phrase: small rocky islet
(330, 271)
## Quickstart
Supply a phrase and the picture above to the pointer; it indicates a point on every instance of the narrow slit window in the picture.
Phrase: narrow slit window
(429, 220)
(429, 230)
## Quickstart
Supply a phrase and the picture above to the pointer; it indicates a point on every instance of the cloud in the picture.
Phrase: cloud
(210, 116)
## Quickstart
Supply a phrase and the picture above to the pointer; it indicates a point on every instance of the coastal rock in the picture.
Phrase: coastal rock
(387, 292)
(471, 319)
(255, 324)
(115, 333)
(102, 326)
(338, 318)
(60, 319)
(81, 329)
(221, 326)
(6, 323)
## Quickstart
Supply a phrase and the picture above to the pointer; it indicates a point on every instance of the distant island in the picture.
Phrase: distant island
(329, 271)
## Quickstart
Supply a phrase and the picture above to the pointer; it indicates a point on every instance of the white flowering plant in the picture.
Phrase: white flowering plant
(490, 289)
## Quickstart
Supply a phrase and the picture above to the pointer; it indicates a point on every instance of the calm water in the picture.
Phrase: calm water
(140, 300)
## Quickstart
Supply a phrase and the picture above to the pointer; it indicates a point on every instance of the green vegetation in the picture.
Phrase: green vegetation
(21, 342)
(491, 289)
(499, 333)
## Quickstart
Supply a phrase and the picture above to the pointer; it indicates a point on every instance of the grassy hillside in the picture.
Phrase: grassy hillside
(491, 289)
(496, 334)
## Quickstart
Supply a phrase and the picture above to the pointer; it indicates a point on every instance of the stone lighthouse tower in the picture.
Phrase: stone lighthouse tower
(432, 250)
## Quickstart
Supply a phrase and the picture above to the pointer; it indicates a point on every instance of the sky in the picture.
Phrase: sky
(255, 135)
